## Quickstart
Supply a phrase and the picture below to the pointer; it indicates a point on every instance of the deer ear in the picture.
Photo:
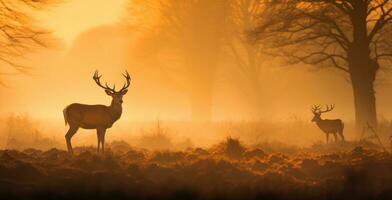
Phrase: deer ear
(124, 92)
(108, 92)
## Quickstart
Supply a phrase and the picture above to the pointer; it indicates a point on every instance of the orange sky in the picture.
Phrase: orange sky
(63, 76)
(72, 17)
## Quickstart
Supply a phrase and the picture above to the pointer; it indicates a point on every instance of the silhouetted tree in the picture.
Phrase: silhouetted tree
(189, 33)
(352, 36)
(247, 56)
(19, 33)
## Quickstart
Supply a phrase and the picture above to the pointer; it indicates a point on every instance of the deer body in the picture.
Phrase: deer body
(99, 117)
(328, 126)
(92, 116)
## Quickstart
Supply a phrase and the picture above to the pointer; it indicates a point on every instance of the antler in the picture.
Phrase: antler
(97, 77)
(316, 109)
(128, 79)
(329, 108)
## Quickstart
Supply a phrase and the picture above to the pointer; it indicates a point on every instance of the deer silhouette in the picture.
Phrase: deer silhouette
(99, 117)
(328, 126)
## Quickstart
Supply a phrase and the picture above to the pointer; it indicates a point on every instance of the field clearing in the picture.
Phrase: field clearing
(22, 131)
(226, 170)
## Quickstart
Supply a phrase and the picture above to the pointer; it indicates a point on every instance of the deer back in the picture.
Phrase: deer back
(91, 116)
(330, 125)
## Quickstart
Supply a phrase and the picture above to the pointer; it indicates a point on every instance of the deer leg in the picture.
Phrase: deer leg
(341, 135)
(101, 138)
(336, 137)
(327, 136)
(71, 132)
(99, 141)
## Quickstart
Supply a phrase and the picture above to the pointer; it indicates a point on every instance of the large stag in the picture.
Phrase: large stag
(99, 117)
(328, 126)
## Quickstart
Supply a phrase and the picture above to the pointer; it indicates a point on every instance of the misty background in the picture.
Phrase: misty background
(187, 63)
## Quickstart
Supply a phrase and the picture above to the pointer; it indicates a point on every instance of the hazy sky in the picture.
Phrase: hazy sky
(96, 42)
(69, 19)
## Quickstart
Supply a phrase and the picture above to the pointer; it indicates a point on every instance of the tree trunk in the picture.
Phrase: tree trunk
(363, 72)
(201, 103)
(364, 102)
(363, 69)
(201, 83)
(255, 97)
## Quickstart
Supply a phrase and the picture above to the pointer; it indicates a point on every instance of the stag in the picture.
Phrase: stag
(328, 126)
(99, 117)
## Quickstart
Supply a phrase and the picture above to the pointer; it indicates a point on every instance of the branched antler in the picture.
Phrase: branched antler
(316, 109)
(97, 77)
(128, 79)
(329, 108)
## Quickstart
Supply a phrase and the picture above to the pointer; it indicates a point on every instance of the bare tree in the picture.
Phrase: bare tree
(246, 56)
(188, 34)
(19, 33)
(352, 36)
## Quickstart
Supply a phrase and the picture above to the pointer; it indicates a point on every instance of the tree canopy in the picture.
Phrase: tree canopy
(19, 32)
(352, 36)
(326, 29)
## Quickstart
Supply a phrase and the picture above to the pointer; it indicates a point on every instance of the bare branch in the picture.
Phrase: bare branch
(381, 22)
(19, 33)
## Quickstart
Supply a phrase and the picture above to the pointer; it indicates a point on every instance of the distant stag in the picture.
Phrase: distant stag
(328, 126)
(99, 117)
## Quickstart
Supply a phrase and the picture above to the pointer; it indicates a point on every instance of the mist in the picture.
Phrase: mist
(195, 99)
(180, 73)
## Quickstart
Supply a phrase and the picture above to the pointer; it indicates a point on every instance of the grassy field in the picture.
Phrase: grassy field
(178, 160)
(226, 170)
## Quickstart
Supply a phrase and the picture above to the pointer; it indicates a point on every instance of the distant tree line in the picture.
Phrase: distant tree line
(352, 36)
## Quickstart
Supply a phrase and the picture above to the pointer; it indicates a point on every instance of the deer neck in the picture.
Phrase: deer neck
(115, 111)
(319, 121)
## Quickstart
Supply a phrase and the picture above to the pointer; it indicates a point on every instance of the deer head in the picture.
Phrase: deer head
(316, 110)
(116, 95)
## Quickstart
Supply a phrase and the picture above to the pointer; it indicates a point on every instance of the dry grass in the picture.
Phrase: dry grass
(255, 160)
(21, 131)
(227, 170)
